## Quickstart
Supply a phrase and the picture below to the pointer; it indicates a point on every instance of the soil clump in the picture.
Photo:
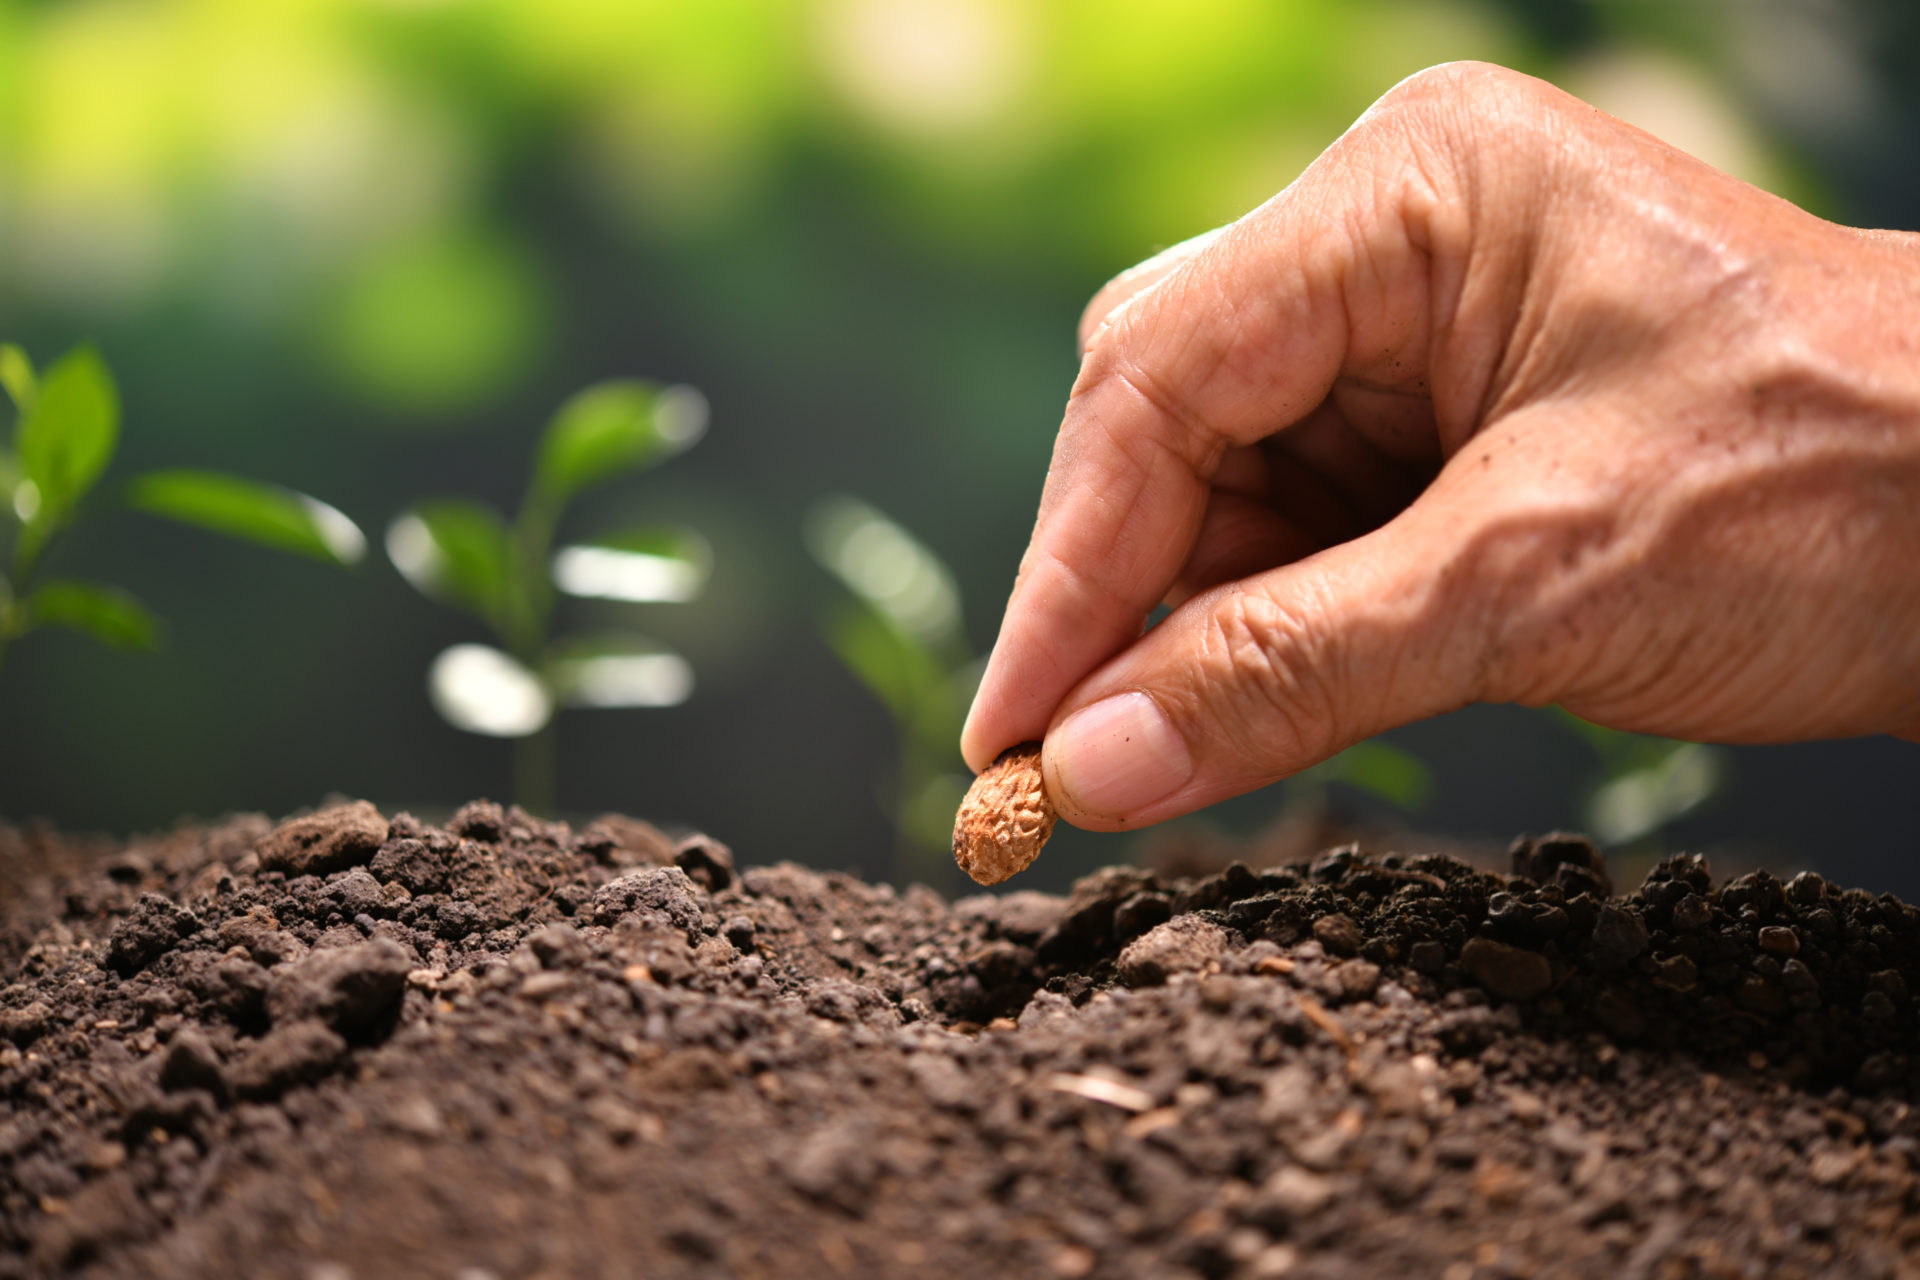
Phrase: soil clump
(354, 1046)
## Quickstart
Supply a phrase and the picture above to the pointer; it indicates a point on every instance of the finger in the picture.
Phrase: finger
(1135, 280)
(1243, 470)
(1238, 538)
(1396, 423)
(1264, 676)
(1278, 481)
(1374, 485)
(1246, 337)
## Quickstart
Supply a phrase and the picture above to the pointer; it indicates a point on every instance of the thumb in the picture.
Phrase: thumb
(1258, 679)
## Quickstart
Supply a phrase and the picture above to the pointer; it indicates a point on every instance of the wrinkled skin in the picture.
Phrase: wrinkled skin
(1503, 400)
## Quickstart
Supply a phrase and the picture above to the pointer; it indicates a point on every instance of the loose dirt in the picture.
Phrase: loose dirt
(353, 1047)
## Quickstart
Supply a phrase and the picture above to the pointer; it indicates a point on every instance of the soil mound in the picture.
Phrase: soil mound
(349, 1047)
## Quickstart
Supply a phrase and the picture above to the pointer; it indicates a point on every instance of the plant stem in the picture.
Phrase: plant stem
(533, 771)
(27, 551)
(529, 609)
(530, 604)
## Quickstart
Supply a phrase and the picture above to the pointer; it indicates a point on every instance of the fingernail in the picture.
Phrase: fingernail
(1119, 756)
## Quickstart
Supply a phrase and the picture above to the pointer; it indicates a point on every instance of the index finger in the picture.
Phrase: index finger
(1136, 280)
(1330, 277)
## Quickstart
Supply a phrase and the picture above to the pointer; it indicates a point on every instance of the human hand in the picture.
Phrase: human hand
(1503, 400)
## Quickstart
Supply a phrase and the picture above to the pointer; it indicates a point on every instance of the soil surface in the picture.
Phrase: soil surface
(356, 1045)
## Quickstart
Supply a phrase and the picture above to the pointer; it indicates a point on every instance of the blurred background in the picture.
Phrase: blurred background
(366, 247)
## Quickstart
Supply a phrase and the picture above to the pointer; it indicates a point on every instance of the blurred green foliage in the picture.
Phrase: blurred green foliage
(898, 630)
(65, 433)
(365, 242)
(332, 168)
(1644, 783)
(464, 553)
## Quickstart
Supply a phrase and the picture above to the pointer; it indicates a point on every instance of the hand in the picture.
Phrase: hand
(1503, 400)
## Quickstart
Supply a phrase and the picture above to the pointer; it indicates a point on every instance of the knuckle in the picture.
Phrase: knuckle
(1488, 114)
(1451, 84)
(1183, 438)
(1534, 583)
(1268, 674)
(1096, 313)
(1109, 299)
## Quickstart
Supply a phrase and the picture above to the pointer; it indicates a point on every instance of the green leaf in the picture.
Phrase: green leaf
(68, 436)
(106, 613)
(1639, 802)
(17, 376)
(457, 551)
(617, 670)
(481, 689)
(265, 514)
(640, 564)
(611, 427)
(926, 816)
(1381, 769)
(893, 666)
(889, 568)
(1619, 751)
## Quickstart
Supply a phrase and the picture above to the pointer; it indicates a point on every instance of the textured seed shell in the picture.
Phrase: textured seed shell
(1005, 818)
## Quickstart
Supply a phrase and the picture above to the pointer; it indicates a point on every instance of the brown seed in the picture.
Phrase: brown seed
(1005, 818)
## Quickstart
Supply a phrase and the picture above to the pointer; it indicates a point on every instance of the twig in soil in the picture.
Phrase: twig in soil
(1097, 1089)
(1317, 1014)
(1142, 1125)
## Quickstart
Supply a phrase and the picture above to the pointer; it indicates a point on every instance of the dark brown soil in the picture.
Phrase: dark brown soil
(348, 1048)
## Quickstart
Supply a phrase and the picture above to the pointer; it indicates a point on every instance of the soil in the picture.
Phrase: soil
(353, 1046)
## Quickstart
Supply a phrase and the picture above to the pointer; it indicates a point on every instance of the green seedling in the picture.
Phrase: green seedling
(466, 554)
(898, 631)
(1378, 768)
(1645, 782)
(66, 429)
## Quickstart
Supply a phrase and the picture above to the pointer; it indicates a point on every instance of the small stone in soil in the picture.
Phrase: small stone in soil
(1185, 944)
(1618, 936)
(330, 840)
(350, 988)
(706, 861)
(294, 1054)
(1338, 934)
(154, 927)
(1507, 972)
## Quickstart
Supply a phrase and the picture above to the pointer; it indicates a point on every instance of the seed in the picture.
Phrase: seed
(1005, 818)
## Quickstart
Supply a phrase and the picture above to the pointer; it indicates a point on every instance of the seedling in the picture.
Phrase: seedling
(1379, 768)
(898, 631)
(466, 554)
(1645, 782)
(66, 428)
